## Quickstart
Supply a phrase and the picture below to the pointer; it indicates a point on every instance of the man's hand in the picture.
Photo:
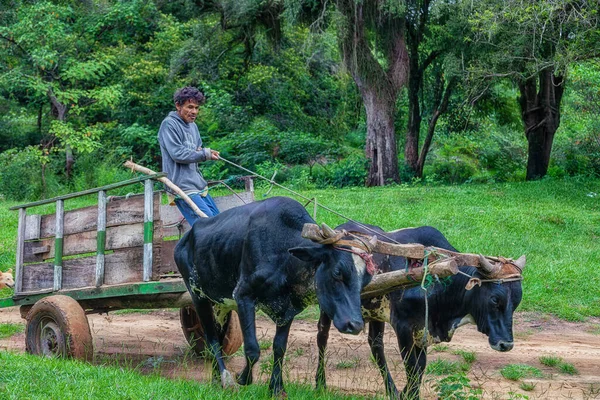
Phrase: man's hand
(214, 154)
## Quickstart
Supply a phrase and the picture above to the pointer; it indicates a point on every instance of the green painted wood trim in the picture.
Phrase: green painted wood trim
(90, 191)
(58, 251)
(148, 231)
(105, 292)
(101, 242)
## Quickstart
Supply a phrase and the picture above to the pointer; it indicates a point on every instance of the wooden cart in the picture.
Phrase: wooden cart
(117, 254)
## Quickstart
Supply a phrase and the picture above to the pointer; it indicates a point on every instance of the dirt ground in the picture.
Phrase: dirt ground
(154, 341)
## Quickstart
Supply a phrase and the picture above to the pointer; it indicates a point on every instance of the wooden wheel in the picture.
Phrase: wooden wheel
(230, 334)
(58, 327)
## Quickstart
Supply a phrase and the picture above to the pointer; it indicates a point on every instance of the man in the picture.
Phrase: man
(181, 149)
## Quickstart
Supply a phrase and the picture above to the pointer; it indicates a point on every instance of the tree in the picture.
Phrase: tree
(372, 41)
(61, 56)
(435, 39)
(533, 43)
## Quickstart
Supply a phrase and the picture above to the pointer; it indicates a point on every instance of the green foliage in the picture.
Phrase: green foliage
(457, 387)
(567, 368)
(469, 357)
(528, 387)
(442, 367)
(21, 173)
(550, 361)
(515, 372)
(558, 363)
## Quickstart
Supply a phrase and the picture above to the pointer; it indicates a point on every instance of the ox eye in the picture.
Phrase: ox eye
(337, 274)
(494, 301)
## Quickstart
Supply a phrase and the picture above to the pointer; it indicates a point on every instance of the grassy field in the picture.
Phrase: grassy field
(556, 223)
(34, 378)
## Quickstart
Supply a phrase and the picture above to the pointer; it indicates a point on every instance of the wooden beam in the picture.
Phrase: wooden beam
(390, 281)
(101, 238)
(148, 228)
(413, 250)
(91, 191)
(20, 249)
(58, 244)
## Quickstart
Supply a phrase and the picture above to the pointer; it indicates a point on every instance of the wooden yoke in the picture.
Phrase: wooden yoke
(390, 281)
(369, 244)
(441, 262)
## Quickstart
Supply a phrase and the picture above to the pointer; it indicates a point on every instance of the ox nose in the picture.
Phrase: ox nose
(353, 327)
(505, 346)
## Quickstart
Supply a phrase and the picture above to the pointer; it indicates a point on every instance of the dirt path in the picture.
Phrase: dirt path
(154, 341)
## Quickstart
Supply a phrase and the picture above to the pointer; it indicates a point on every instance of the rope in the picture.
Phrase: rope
(424, 289)
(366, 257)
(273, 183)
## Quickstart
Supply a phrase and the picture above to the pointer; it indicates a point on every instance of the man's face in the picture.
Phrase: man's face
(188, 111)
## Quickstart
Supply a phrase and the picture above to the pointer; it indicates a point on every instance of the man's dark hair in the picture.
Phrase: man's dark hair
(189, 93)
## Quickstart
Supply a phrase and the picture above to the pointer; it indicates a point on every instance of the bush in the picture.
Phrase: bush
(21, 173)
(452, 170)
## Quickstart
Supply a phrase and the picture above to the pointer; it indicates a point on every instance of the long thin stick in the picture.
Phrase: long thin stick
(168, 183)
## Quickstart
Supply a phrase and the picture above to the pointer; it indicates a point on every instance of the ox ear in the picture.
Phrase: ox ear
(309, 254)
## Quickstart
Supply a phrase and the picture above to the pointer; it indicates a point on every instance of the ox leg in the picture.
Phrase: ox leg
(415, 360)
(376, 331)
(322, 336)
(246, 313)
(279, 347)
(207, 318)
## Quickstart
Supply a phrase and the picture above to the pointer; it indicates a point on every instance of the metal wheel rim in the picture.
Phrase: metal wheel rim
(51, 338)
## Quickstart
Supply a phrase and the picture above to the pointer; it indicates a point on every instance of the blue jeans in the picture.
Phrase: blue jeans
(205, 204)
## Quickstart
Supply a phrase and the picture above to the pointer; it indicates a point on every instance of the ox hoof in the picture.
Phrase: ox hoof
(227, 380)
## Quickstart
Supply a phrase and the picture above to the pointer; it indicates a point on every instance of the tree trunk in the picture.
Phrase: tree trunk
(441, 105)
(540, 112)
(60, 111)
(381, 146)
(411, 145)
(378, 87)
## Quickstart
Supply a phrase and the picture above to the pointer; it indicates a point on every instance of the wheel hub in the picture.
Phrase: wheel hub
(51, 339)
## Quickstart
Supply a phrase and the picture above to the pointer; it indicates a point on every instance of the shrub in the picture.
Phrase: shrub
(351, 171)
(21, 173)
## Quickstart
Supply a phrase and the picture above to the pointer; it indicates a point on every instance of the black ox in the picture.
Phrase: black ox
(254, 256)
(490, 306)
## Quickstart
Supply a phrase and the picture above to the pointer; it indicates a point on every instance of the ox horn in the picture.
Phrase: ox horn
(327, 231)
(520, 263)
(487, 266)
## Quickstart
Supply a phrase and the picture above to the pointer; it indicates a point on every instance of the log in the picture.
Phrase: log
(412, 250)
(462, 259)
(390, 281)
(371, 244)
(168, 183)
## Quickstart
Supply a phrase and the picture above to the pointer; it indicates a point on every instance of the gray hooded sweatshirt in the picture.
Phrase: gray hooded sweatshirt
(179, 142)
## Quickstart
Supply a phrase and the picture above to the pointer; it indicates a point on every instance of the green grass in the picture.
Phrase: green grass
(440, 348)
(30, 377)
(468, 356)
(347, 364)
(527, 386)
(567, 368)
(7, 330)
(514, 372)
(550, 361)
(559, 364)
(442, 367)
